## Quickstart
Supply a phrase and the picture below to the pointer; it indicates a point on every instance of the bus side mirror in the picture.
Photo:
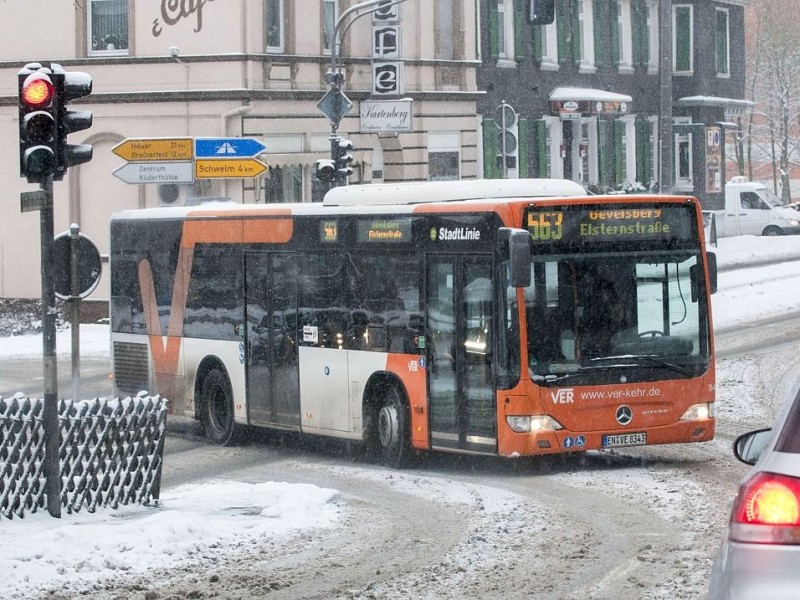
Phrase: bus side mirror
(712, 271)
(695, 275)
(519, 255)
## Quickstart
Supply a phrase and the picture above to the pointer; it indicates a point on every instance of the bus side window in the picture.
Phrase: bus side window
(388, 297)
(335, 329)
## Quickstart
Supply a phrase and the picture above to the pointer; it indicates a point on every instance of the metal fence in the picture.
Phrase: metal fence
(111, 452)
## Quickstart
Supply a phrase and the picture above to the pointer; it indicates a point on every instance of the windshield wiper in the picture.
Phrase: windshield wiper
(649, 358)
(552, 378)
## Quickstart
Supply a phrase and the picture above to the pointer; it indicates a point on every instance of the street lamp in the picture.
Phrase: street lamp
(335, 104)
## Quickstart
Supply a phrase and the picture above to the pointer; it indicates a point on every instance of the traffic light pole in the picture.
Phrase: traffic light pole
(75, 311)
(52, 431)
(45, 121)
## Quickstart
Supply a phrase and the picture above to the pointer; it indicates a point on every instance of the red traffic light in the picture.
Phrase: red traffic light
(37, 90)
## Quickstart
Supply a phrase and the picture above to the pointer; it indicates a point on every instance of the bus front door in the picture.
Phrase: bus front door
(459, 333)
(273, 395)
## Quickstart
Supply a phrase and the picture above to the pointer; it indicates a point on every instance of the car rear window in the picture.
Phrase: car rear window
(789, 438)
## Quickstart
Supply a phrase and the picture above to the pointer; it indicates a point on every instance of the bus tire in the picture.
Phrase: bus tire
(392, 427)
(772, 230)
(216, 408)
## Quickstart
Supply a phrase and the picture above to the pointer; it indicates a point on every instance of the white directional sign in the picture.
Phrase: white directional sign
(181, 160)
(156, 172)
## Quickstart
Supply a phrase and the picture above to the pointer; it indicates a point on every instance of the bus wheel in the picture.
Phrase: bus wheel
(392, 426)
(216, 408)
(772, 230)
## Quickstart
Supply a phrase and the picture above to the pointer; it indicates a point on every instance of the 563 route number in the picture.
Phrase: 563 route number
(546, 226)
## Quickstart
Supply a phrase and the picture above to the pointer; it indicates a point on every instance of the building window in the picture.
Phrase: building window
(274, 26)
(683, 39)
(640, 33)
(625, 29)
(444, 156)
(545, 45)
(505, 20)
(722, 39)
(549, 35)
(108, 26)
(330, 13)
(683, 161)
(586, 24)
(652, 29)
(444, 34)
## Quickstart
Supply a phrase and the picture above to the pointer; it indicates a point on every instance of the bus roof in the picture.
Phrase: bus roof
(419, 192)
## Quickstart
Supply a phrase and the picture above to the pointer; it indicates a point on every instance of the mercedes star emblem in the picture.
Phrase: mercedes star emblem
(624, 415)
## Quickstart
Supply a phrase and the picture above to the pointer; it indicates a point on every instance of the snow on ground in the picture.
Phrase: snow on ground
(193, 521)
(746, 294)
(201, 519)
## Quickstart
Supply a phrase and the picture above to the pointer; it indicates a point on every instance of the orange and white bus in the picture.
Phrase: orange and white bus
(498, 317)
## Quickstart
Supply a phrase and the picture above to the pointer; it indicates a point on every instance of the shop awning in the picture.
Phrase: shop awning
(733, 107)
(565, 94)
(307, 158)
(572, 102)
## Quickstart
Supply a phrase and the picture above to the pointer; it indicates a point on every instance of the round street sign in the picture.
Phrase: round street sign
(88, 265)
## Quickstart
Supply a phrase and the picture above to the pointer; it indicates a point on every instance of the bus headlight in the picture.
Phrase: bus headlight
(699, 412)
(527, 423)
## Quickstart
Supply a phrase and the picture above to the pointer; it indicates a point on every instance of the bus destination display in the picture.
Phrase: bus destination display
(593, 224)
(384, 230)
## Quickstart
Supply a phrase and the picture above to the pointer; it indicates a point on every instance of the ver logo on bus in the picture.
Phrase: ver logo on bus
(563, 396)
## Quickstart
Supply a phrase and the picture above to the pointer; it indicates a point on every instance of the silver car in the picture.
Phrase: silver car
(760, 555)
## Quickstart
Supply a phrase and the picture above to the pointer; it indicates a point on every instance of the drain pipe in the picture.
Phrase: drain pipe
(223, 132)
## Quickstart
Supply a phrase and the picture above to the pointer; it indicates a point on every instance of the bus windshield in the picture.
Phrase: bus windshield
(616, 309)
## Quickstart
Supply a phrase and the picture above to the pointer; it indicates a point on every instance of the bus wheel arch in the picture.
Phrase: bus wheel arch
(214, 402)
(387, 420)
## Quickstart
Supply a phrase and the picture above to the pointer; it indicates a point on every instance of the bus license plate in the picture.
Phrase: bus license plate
(625, 439)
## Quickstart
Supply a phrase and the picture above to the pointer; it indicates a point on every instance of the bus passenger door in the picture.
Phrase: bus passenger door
(459, 329)
(272, 365)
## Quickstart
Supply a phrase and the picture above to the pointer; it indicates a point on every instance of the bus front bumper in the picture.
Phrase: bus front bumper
(544, 440)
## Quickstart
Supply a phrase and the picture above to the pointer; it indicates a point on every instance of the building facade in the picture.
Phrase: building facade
(233, 68)
(581, 98)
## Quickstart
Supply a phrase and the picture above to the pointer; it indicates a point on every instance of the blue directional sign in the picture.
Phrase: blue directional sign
(228, 147)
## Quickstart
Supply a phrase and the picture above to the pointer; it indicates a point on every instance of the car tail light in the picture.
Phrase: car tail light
(767, 510)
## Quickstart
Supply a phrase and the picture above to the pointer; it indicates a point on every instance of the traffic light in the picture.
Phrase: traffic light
(543, 12)
(45, 121)
(37, 123)
(508, 141)
(324, 170)
(342, 159)
(70, 86)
